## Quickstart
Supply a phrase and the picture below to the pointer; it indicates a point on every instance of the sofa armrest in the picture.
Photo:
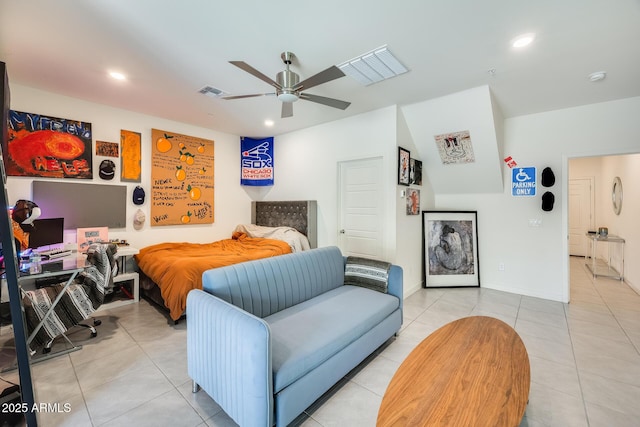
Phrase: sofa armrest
(229, 356)
(395, 286)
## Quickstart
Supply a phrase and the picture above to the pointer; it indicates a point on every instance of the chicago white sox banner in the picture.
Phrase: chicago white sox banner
(256, 157)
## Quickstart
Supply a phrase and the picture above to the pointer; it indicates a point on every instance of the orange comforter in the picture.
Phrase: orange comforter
(177, 267)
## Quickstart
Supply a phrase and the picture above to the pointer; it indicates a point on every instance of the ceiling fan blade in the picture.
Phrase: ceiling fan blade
(327, 75)
(253, 95)
(331, 102)
(249, 69)
(287, 109)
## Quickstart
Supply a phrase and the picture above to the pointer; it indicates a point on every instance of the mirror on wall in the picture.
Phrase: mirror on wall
(616, 195)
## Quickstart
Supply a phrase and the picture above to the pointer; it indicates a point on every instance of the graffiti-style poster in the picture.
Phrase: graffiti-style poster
(131, 156)
(455, 147)
(48, 147)
(181, 179)
(256, 161)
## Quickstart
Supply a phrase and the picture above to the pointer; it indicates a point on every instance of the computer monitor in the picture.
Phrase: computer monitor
(46, 232)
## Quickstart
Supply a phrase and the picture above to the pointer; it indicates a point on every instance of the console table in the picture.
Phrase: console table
(615, 246)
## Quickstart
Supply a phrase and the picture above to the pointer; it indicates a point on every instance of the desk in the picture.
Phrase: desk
(471, 372)
(68, 268)
(615, 252)
(76, 260)
(48, 272)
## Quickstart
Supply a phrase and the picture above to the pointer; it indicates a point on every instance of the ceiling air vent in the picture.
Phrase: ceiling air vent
(213, 92)
(374, 66)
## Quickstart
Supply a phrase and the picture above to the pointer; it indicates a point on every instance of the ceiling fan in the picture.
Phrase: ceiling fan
(289, 87)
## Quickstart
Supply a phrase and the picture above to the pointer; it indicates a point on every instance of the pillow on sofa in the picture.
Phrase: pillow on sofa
(367, 273)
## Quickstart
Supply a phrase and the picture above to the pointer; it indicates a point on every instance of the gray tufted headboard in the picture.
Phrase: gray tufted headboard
(299, 214)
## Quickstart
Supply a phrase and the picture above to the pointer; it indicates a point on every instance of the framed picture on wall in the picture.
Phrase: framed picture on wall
(415, 172)
(450, 249)
(413, 201)
(404, 157)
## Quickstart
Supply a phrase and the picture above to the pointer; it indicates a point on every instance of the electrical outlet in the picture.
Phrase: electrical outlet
(501, 266)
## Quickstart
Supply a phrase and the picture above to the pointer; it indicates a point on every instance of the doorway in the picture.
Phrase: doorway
(599, 171)
(360, 208)
(581, 212)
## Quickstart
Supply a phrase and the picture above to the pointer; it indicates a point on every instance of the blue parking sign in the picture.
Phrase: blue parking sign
(523, 182)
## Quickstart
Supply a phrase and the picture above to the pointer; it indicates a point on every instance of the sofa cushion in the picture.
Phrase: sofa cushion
(307, 334)
(266, 286)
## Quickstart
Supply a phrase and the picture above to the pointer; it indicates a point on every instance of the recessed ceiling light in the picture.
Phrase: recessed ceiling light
(268, 123)
(117, 76)
(597, 76)
(523, 40)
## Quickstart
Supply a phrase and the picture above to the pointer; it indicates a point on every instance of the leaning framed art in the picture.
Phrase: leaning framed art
(450, 249)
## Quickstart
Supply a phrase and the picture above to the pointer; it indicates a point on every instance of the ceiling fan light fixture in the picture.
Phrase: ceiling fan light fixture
(287, 96)
(374, 66)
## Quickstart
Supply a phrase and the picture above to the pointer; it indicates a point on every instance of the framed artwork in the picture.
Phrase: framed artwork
(48, 147)
(107, 149)
(404, 157)
(131, 156)
(86, 236)
(413, 201)
(450, 249)
(182, 174)
(415, 172)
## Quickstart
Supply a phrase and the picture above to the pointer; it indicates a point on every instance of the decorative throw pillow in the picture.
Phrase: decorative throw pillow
(367, 273)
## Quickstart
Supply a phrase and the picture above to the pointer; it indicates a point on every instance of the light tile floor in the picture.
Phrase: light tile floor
(585, 362)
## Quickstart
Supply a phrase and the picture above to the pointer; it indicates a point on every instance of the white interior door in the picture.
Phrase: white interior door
(361, 210)
(581, 214)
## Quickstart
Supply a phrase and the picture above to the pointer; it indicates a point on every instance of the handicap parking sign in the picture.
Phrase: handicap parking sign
(523, 182)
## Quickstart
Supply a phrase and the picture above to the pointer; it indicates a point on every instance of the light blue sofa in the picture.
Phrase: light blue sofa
(267, 338)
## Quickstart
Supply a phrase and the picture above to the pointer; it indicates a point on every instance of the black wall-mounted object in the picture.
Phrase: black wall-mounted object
(548, 199)
(548, 177)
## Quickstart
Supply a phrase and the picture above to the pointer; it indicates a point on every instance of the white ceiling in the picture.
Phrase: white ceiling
(171, 49)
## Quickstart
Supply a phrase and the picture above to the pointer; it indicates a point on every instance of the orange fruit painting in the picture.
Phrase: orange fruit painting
(183, 179)
(194, 192)
(163, 144)
(180, 173)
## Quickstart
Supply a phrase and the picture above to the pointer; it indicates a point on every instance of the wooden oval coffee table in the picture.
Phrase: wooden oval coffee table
(471, 372)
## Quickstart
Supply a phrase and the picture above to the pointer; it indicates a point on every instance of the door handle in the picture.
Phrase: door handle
(342, 231)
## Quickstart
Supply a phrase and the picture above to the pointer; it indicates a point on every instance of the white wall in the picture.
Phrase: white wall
(306, 168)
(536, 258)
(409, 227)
(626, 224)
(232, 203)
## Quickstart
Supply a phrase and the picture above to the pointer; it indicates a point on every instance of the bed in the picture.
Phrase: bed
(168, 271)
